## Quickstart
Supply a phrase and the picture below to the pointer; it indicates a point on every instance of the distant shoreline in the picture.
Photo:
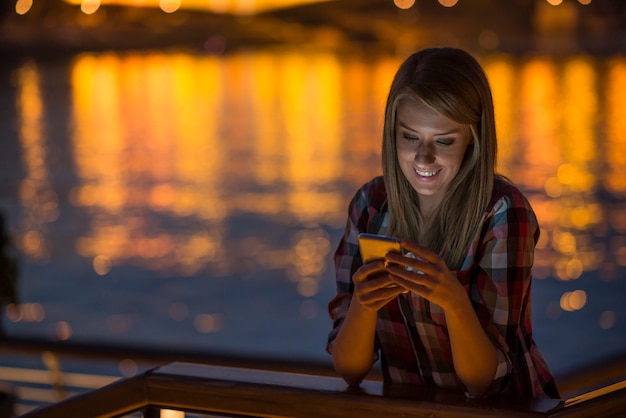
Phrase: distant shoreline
(329, 26)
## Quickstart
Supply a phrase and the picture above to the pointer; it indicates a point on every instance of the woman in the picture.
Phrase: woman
(454, 310)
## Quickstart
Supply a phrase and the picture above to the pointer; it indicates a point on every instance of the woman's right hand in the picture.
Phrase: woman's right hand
(373, 288)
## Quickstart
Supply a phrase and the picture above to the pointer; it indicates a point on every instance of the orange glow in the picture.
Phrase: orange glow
(404, 4)
(573, 301)
(169, 6)
(269, 144)
(615, 139)
(178, 156)
(217, 6)
(171, 413)
(89, 6)
(502, 78)
(365, 90)
(579, 105)
(564, 242)
(448, 3)
(538, 123)
(202, 139)
(313, 151)
(23, 6)
(37, 196)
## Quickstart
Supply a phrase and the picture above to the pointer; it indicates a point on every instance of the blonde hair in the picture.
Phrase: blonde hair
(453, 83)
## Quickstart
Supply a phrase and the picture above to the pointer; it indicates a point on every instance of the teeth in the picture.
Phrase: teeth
(426, 173)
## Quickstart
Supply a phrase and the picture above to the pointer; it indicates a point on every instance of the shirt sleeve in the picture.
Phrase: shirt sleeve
(347, 260)
(363, 216)
(501, 291)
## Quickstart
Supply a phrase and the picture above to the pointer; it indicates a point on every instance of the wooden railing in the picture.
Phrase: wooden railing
(261, 393)
(224, 383)
(586, 378)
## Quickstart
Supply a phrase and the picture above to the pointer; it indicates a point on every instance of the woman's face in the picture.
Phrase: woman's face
(430, 149)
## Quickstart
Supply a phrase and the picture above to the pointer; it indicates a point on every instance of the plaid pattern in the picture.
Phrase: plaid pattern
(411, 334)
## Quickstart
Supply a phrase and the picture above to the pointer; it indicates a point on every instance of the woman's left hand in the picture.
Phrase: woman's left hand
(426, 274)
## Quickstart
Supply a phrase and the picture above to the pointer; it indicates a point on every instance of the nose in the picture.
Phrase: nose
(424, 154)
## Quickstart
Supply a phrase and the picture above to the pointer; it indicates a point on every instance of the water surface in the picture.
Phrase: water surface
(184, 200)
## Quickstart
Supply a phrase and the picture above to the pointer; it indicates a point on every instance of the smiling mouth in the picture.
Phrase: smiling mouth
(426, 173)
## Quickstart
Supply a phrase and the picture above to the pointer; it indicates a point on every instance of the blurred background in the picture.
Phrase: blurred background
(175, 174)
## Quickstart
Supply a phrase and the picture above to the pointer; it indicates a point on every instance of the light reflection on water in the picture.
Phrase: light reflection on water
(169, 197)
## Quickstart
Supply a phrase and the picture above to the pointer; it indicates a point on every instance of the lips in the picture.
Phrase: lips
(426, 173)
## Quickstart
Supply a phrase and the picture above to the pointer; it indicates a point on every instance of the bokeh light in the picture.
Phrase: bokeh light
(63, 330)
(607, 319)
(128, 367)
(574, 300)
(206, 323)
(404, 4)
(169, 6)
(448, 3)
(89, 6)
(23, 6)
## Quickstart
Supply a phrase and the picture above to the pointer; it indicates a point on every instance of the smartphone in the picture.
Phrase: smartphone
(375, 247)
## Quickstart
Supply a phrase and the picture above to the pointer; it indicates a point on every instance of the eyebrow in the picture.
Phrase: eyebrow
(451, 132)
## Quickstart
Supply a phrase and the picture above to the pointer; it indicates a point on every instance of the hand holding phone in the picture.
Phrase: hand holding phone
(375, 247)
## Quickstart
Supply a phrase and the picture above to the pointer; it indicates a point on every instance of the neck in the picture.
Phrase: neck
(428, 206)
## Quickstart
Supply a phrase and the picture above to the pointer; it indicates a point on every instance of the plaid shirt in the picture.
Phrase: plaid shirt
(411, 332)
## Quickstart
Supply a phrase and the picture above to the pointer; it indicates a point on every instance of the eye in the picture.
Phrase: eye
(409, 137)
(445, 142)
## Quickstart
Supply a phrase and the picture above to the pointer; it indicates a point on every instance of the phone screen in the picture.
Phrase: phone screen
(375, 247)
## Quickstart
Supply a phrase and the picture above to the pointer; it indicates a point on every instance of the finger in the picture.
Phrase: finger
(368, 270)
(377, 300)
(381, 284)
(408, 262)
(411, 275)
(420, 251)
(384, 293)
(419, 287)
(420, 283)
(377, 287)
